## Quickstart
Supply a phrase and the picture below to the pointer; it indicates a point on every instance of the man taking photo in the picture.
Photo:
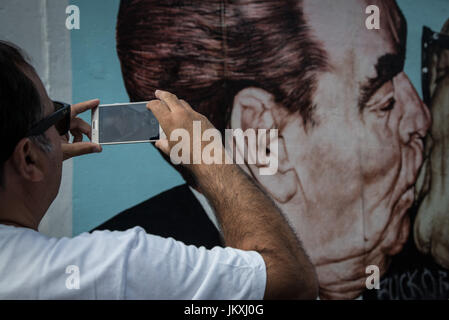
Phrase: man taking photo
(263, 258)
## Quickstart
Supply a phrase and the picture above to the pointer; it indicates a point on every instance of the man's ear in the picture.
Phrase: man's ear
(256, 108)
(27, 161)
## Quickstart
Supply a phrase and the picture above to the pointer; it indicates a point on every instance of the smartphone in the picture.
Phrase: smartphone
(124, 123)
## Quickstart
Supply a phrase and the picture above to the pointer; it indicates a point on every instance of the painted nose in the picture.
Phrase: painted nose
(416, 119)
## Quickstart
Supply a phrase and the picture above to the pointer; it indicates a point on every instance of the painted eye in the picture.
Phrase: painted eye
(389, 106)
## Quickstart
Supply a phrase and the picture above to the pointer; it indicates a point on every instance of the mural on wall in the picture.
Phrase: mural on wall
(362, 169)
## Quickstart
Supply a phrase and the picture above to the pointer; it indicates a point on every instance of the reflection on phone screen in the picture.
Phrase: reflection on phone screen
(128, 123)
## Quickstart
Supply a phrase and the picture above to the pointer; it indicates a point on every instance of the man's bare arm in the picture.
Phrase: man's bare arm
(249, 219)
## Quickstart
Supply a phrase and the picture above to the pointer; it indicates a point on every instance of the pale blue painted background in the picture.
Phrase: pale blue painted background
(121, 176)
(105, 184)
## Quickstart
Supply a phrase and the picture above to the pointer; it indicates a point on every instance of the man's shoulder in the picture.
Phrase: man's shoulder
(174, 213)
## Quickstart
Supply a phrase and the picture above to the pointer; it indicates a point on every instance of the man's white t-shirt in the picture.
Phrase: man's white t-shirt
(123, 265)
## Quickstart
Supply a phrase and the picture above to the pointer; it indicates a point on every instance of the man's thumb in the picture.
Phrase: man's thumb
(71, 150)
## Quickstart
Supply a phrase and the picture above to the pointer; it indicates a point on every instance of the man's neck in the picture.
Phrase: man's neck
(16, 213)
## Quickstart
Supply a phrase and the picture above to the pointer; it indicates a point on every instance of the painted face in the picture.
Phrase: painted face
(432, 221)
(346, 182)
(357, 166)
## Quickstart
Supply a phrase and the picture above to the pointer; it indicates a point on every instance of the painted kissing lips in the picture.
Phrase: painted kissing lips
(417, 141)
(406, 199)
(417, 145)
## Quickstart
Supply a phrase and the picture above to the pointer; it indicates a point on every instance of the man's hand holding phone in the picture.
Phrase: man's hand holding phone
(78, 128)
(173, 113)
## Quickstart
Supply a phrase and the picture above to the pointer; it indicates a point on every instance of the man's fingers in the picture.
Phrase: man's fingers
(77, 135)
(185, 104)
(70, 150)
(81, 126)
(78, 108)
(159, 109)
(169, 98)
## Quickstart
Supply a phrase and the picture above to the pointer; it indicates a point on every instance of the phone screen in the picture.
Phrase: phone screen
(127, 123)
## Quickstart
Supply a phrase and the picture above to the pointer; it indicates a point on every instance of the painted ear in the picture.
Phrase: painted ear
(267, 160)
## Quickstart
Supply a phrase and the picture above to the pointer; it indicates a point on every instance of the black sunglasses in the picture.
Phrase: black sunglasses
(60, 118)
(431, 41)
